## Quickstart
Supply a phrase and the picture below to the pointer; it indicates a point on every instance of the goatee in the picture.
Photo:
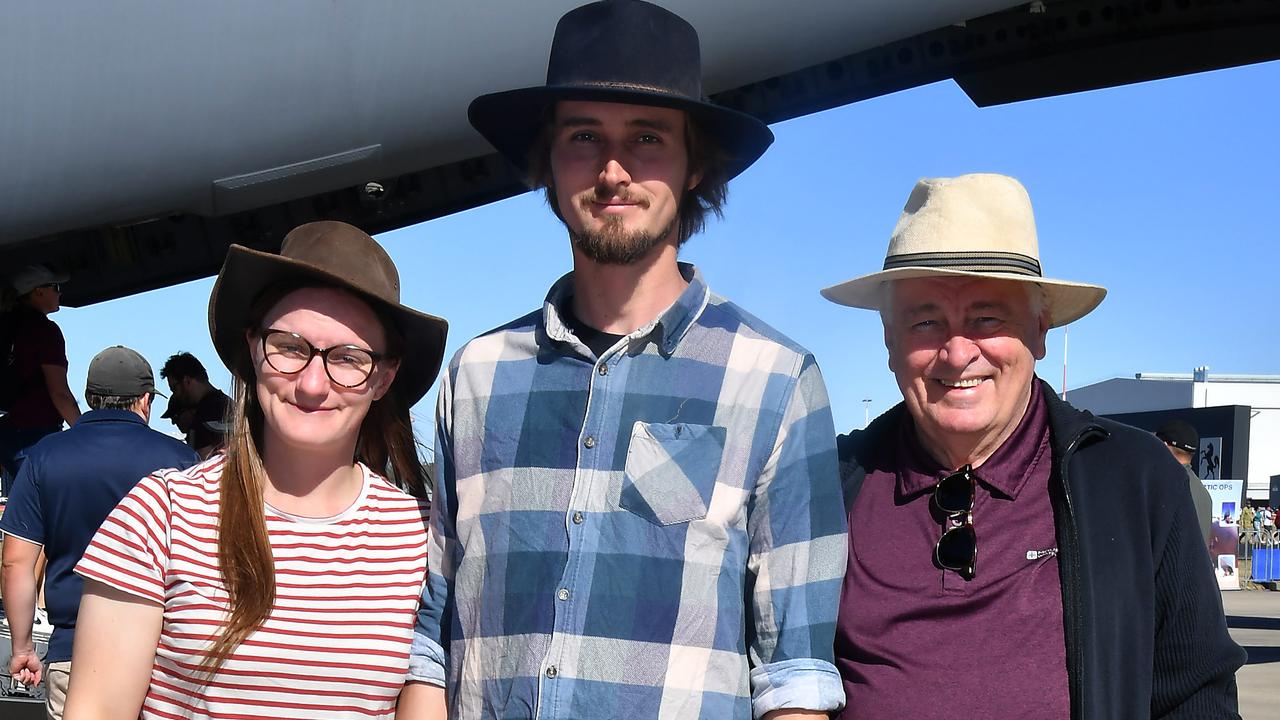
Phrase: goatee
(611, 244)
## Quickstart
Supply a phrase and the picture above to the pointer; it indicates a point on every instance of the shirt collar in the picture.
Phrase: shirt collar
(110, 416)
(667, 329)
(1006, 471)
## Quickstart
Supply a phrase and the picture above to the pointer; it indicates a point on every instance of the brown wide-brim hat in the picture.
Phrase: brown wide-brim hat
(978, 225)
(623, 51)
(332, 254)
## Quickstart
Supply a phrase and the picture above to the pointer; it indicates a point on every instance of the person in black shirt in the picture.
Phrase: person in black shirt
(35, 361)
(190, 388)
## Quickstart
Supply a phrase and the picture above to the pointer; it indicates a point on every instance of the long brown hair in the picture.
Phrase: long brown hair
(385, 443)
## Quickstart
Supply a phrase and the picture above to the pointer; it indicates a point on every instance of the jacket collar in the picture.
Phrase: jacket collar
(1068, 427)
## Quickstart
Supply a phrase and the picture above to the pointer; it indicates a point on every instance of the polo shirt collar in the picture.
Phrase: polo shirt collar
(667, 329)
(110, 416)
(1006, 471)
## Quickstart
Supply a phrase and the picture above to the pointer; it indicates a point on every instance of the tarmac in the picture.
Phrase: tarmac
(1253, 617)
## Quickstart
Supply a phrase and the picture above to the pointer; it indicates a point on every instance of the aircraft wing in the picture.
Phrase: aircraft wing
(139, 140)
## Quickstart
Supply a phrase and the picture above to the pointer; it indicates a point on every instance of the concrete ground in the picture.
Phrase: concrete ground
(1254, 619)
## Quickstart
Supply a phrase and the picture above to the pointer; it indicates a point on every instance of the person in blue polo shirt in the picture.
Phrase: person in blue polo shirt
(69, 483)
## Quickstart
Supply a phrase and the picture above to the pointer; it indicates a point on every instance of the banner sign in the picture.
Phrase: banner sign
(1224, 533)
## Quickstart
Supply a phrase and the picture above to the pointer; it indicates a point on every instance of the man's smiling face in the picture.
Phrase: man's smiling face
(619, 172)
(964, 351)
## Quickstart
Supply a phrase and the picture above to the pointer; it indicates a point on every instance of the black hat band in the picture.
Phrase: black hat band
(982, 262)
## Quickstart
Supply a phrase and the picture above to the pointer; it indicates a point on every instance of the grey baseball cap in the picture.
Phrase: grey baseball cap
(120, 372)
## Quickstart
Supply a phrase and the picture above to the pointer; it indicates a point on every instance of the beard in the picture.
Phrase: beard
(612, 244)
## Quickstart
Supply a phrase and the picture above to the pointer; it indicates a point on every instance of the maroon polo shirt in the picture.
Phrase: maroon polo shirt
(917, 641)
(37, 341)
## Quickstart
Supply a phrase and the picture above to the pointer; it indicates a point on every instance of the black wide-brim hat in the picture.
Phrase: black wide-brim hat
(332, 254)
(624, 51)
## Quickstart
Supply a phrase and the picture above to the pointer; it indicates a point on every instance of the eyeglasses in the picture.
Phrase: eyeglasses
(346, 365)
(57, 287)
(957, 549)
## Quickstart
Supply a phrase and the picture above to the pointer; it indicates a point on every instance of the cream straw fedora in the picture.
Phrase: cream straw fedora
(978, 225)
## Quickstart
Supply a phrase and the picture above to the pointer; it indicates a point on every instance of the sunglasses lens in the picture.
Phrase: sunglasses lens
(954, 494)
(958, 548)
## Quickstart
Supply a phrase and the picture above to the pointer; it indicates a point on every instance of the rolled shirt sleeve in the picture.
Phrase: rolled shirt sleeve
(796, 530)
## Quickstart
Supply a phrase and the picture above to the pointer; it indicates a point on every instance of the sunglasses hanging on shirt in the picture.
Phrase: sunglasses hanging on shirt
(957, 549)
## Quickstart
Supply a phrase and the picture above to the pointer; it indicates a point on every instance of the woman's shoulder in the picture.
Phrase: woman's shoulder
(386, 495)
(199, 479)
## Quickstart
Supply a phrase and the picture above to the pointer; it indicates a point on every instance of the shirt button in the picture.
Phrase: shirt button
(590, 442)
(552, 672)
(577, 518)
(603, 369)
(563, 594)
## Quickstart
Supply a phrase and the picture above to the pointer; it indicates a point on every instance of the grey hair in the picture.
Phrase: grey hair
(1037, 299)
(110, 402)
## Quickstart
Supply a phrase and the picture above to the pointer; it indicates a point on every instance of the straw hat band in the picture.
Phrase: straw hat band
(982, 262)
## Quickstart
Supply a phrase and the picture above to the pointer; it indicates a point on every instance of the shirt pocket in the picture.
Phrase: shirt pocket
(671, 471)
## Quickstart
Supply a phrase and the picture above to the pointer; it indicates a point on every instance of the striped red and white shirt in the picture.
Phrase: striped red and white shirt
(336, 644)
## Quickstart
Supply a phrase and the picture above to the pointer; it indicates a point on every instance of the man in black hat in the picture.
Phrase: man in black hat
(67, 486)
(637, 509)
(1184, 442)
(208, 407)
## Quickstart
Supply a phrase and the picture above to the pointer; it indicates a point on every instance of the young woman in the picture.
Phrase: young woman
(279, 579)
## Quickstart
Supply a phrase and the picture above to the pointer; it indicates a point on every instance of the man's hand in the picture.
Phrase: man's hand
(25, 667)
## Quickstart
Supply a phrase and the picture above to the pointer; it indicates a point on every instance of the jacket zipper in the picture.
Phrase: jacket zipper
(1074, 614)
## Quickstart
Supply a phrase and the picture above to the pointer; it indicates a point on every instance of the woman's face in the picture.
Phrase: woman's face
(305, 410)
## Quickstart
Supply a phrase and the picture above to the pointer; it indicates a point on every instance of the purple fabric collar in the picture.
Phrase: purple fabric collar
(1006, 471)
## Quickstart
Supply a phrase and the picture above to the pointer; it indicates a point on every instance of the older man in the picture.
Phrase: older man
(1009, 555)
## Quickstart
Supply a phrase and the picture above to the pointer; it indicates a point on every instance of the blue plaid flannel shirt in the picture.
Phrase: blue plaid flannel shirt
(657, 533)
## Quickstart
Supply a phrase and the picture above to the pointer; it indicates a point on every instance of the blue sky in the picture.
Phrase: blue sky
(1158, 191)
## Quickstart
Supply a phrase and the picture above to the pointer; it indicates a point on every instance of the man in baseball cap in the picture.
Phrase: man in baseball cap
(1183, 442)
(34, 395)
(67, 486)
(638, 511)
(1010, 555)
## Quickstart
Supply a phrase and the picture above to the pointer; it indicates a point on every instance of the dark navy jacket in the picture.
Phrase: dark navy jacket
(1142, 614)
(69, 484)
